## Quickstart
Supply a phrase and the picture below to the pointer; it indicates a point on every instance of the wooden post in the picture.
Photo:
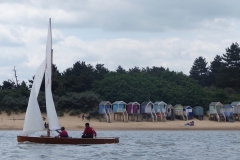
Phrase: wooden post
(48, 130)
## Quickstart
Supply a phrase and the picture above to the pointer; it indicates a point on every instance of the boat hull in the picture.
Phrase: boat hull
(82, 141)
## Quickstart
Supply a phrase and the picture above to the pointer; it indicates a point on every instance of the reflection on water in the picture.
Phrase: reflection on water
(146, 145)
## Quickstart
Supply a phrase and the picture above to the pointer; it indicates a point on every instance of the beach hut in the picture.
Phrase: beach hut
(178, 111)
(228, 110)
(170, 112)
(147, 109)
(198, 112)
(236, 111)
(133, 110)
(104, 109)
(160, 109)
(119, 109)
(215, 112)
(187, 112)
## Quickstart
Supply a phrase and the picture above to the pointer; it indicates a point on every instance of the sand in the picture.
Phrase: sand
(16, 121)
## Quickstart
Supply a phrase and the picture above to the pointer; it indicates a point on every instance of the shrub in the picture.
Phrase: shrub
(60, 114)
(75, 113)
(8, 111)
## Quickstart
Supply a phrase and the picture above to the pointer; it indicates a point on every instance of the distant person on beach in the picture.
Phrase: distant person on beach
(62, 133)
(83, 117)
(190, 124)
(88, 117)
(89, 132)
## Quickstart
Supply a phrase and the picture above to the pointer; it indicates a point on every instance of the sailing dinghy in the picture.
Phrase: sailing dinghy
(33, 118)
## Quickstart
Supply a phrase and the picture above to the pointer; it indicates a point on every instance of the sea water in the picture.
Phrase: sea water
(141, 145)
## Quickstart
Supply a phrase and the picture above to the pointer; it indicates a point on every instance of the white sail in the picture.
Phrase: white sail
(39, 77)
(51, 111)
(33, 118)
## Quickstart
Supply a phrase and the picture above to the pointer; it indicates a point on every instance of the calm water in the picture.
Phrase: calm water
(144, 145)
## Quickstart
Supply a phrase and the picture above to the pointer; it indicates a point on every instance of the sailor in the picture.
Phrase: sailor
(62, 133)
(89, 132)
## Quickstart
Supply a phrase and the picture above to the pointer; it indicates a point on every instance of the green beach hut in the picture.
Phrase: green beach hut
(178, 111)
(198, 112)
(215, 111)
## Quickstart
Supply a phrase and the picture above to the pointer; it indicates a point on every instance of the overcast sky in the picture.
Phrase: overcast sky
(115, 32)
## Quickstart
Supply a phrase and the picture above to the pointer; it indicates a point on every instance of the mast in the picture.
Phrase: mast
(48, 130)
(51, 110)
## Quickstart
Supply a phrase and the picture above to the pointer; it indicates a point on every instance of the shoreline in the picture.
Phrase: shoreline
(75, 123)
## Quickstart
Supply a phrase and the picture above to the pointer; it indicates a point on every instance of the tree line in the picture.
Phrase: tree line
(82, 87)
(223, 71)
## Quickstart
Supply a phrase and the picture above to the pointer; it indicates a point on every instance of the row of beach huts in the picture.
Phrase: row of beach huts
(224, 112)
(161, 111)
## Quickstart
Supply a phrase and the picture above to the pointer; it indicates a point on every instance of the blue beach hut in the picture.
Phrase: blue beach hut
(105, 107)
(160, 109)
(147, 109)
(104, 110)
(187, 111)
(198, 112)
(119, 109)
(228, 110)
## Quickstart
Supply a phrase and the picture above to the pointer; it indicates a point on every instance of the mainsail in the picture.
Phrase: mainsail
(51, 111)
(33, 118)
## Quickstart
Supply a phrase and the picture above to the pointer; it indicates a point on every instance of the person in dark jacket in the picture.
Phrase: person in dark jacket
(89, 132)
(88, 117)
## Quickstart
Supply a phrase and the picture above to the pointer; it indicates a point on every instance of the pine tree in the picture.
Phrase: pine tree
(199, 71)
(214, 70)
(231, 61)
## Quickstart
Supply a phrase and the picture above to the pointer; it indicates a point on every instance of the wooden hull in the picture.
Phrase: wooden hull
(82, 141)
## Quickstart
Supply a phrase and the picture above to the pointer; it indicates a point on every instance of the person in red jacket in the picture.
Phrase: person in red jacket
(63, 132)
(89, 132)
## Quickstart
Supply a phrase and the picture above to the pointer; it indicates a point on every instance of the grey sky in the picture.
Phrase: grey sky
(115, 32)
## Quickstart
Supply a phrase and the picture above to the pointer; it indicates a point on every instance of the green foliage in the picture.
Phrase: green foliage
(100, 72)
(171, 87)
(79, 101)
(60, 113)
(8, 85)
(79, 78)
(75, 113)
(8, 111)
(94, 113)
(121, 70)
(215, 68)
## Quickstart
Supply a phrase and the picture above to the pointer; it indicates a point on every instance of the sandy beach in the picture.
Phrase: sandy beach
(16, 121)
